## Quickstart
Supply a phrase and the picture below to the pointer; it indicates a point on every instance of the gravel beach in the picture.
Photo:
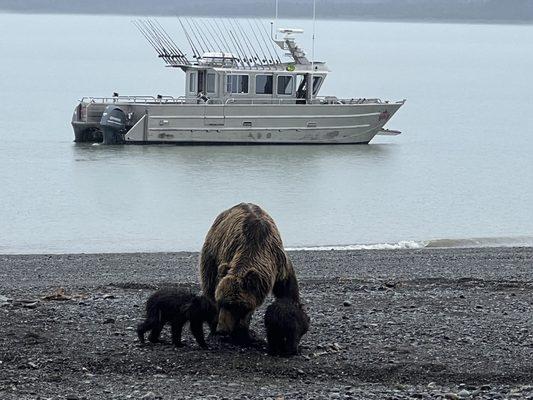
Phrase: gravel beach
(439, 323)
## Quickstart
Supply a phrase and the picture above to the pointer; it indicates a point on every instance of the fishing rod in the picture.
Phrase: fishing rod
(191, 43)
(259, 43)
(177, 51)
(249, 44)
(195, 37)
(144, 28)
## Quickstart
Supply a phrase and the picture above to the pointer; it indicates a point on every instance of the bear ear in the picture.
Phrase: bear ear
(227, 287)
(222, 270)
(254, 282)
(251, 277)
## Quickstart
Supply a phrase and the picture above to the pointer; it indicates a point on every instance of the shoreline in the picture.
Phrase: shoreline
(392, 323)
(162, 14)
(378, 247)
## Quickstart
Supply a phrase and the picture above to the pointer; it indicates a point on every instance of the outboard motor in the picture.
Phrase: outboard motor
(113, 124)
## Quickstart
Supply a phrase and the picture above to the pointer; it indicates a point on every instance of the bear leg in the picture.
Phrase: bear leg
(142, 328)
(291, 344)
(157, 327)
(177, 328)
(197, 331)
(274, 345)
(208, 274)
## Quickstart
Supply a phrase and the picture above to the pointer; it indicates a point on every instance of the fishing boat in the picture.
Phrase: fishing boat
(238, 90)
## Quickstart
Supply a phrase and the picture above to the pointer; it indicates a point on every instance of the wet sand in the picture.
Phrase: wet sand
(439, 323)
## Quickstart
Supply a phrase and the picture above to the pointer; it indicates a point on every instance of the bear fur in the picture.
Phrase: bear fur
(176, 307)
(286, 322)
(241, 262)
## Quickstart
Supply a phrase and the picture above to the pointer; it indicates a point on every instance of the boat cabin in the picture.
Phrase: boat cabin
(282, 84)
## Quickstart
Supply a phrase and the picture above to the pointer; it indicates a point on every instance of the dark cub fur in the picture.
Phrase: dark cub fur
(286, 322)
(176, 307)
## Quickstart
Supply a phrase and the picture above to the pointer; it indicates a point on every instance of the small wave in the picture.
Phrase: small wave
(515, 241)
(518, 241)
(404, 244)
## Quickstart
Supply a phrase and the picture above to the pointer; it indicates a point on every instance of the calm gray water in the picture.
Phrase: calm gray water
(462, 168)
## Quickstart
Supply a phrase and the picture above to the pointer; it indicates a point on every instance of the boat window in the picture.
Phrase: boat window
(317, 80)
(301, 92)
(285, 84)
(211, 83)
(263, 84)
(237, 83)
(192, 82)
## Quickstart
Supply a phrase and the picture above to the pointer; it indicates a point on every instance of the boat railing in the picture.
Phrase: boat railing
(292, 100)
(133, 99)
(259, 100)
(360, 101)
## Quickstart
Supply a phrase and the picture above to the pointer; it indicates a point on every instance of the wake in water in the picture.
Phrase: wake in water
(518, 241)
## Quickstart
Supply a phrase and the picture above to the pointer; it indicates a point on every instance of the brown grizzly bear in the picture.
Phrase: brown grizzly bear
(241, 262)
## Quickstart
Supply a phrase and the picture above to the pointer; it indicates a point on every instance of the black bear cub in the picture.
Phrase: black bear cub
(176, 307)
(286, 322)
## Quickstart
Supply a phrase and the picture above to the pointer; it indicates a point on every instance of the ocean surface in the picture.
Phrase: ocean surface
(461, 173)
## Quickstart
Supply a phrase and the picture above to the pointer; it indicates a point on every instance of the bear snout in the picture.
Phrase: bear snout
(226, 322)
(221, 331)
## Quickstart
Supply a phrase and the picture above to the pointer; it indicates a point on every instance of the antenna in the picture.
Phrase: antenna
(276, 19)
(314, 30)
(311, 82)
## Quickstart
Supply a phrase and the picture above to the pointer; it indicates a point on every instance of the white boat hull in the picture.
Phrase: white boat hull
(253, 123)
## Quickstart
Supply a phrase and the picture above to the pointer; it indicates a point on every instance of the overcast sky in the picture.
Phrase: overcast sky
(466, 10)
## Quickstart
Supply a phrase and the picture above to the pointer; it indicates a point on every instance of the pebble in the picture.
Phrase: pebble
(451, 396)
(463, 394)
(4, 300)
(109, 321)
(149, 396)
(347, 303)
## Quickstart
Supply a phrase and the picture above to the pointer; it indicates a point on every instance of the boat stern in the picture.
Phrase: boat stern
(86, 123)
